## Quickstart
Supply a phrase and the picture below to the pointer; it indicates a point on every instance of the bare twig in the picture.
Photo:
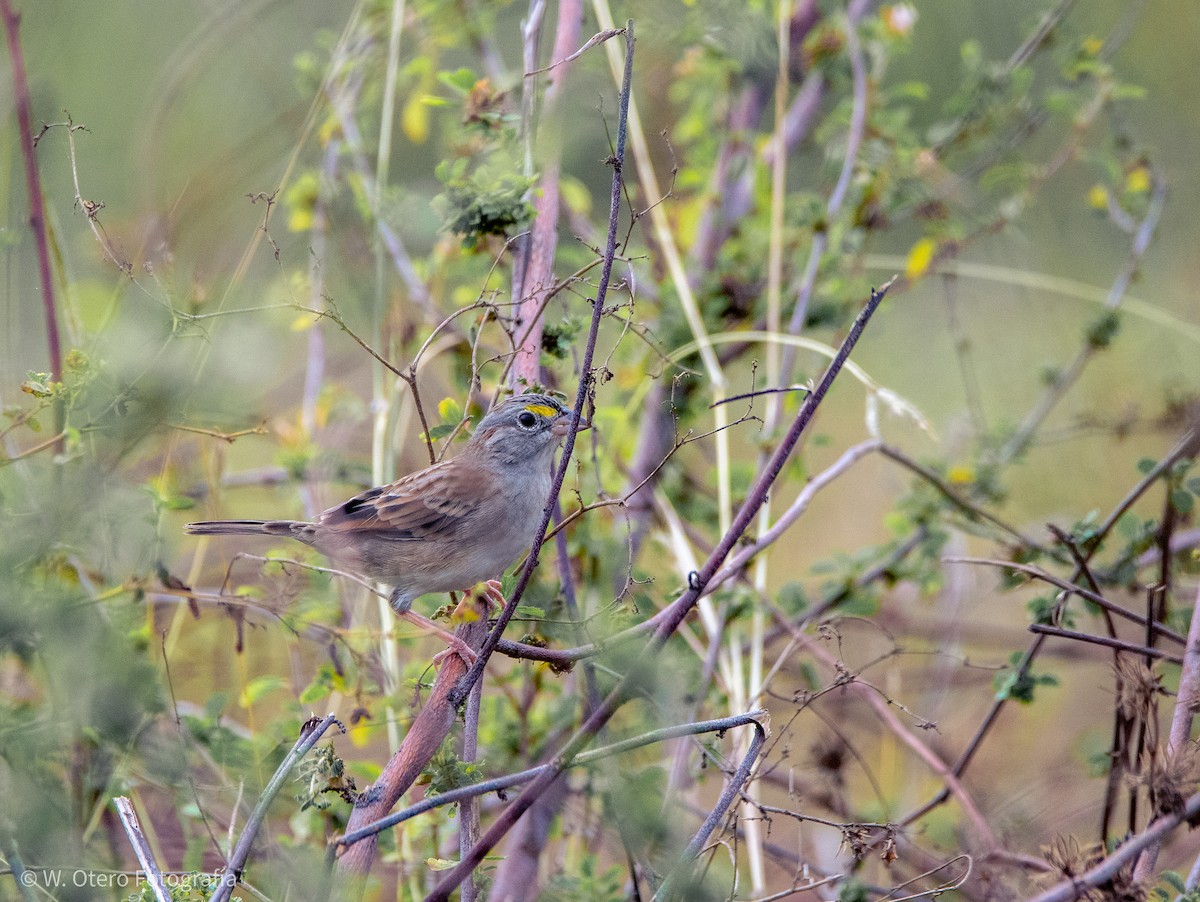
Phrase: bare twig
(499, 784)
(598, 38)
(587, 378)
(141, 848)
(310, 733)
(1072, 588)
(733, 789)
(1020, 439)
(971, 510)
(1106, 641)
(1181, 721)
(533, 269)
(33, 185)
(1185, 447)
(425, 736)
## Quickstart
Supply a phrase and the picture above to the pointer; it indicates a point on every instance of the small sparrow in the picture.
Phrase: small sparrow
(450, 526)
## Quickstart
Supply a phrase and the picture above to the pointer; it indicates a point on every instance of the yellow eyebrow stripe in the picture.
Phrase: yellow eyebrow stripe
(542, 410)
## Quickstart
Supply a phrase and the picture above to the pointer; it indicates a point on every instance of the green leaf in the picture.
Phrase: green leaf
(1182, 501)
(792, 597)
(1019, 687)
(314, 692)
(1102, 331)
(449, 409)
(460, 80)
(258, 688)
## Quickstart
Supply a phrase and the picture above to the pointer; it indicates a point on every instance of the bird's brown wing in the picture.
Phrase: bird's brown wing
(429, 504)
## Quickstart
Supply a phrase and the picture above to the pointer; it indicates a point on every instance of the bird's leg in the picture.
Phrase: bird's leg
(402, 605)
(491, 597)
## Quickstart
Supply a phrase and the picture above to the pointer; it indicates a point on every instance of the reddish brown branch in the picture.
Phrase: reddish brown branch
(533, 272)
(33, 183)
(429, 729)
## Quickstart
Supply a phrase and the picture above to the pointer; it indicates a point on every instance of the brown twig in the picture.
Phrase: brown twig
(425, 736)
(1185, 447)
(1181, 720)
(1072, 588)
(970, 509)
(533, 270)
(586, 381)
(1106, 641)
(37, 210)
(230, 437)
(453, 686)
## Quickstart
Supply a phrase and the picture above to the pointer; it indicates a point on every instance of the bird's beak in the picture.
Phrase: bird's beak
(562, 424)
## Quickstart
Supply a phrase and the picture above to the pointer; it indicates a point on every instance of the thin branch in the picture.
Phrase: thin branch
(141, 848)
(1071, 588)
(587, 379)
(744, 555)
(1106, 641)
(311, 731)
(1186, 699)
(55, 441)
(973, 511)
(598, 38)
(733, 789)
(92, 208)
(33, 185)
(425, 736)
(499, 784)
(1021, 438)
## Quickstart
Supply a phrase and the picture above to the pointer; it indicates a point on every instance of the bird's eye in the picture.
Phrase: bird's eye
(526, 419)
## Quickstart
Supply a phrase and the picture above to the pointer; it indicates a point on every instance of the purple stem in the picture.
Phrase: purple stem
(37, 213)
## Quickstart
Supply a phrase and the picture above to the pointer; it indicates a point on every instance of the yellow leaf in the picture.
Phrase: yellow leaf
(962, 474)
(301, 219)
(304, 322)
(1138, 180)
(919, 258)
(414, 120)
(360, 733)
(449, 410)
(1098, 197)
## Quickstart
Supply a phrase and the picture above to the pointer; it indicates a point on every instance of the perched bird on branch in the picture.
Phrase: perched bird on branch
(450, 526)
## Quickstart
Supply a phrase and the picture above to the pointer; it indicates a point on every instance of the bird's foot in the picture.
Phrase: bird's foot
(457, 647)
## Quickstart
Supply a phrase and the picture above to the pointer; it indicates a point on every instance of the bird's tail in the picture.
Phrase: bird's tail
(293, 529)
